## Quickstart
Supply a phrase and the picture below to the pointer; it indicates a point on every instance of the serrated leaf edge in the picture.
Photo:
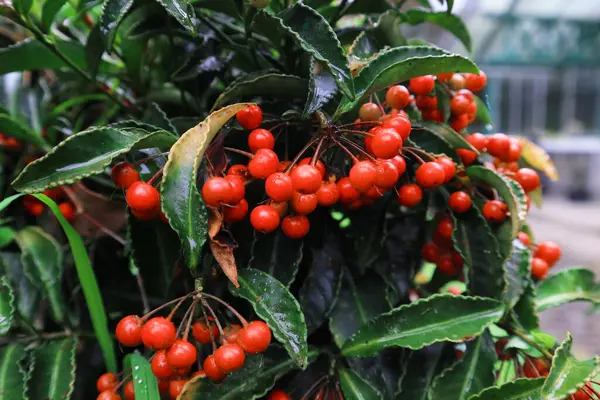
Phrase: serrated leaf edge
(558, 275)
(479, 396)
(11, 299)
(109, 39)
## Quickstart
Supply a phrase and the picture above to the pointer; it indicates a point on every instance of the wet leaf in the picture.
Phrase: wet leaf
(144, 381)
(183, 12)
(276, 254)
(321, 88)
(355, 387)
(113, 12)
(20, 131)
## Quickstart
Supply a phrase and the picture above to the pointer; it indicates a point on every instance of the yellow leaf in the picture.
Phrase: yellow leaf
(537, 157)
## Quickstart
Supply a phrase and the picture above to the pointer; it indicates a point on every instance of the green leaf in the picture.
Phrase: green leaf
(483, 113)
(275, 86)
(7, 306)
(183, 12)
(387, 30)
(94, 48)
(113, 12)
(274, 303)
(450, 22)
(432, 144)
(27, 296)
(181, 202)
(246, 383)
(443, 98)
(567, 373)
(321, 88)
(469, 375)
(85, 154)
(510, 191)
(43, 264)
(16, 129)
(75, 101)
(49, 11)
(525, 310)
(12, 376)
(517, 273)
(573, 284)
(314, 34)
(355, 387)
(442, 317)
(519, 389)
(155, 116)
(420, 372)
(455, 139)
(144, 381)
(53, 376)
(22, 6)
(367, 234)
(277, 255)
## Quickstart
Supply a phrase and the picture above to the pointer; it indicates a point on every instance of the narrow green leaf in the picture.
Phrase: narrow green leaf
(456, 140)
(144, 381)
(443, 98)
(18, 130)
(155, 116)
(567, 373)
(43, 264)
(53, 376)
(363, 47)
(573, 284)
(355, 387)
(442, 317)
(483, 113)
(113, 12)
(85, 154)
(321, 88)
(94, 48)
(432, 144)
(181, 202)
(452, 23)
(7, 235)
(510, 191)
(7, 306)
(12, 375)
(274, 303)
(183, 12)
(49, 11)
(277, 255)
(27, 296)
(387, 30)
(22, 6)
(75, 101)
(469, 375)
(517, 273)
(519, 389)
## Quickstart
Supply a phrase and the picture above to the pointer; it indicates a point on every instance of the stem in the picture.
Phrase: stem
(212, 338)
(166, 305)
(300, 153)
(531, 342)
(103, 228)
(233, 310)
(174, 310)
(375, 123)
(186, 317)
(528, 360)
(155, 176)
(189, 323)
(314, 387)
(356, 132)
(352, 156)
(219, 327)
(242, 152)
(411, 152)
(145, 160)
(315, 156)
(357, 147)
(41, 336)
(143, 294)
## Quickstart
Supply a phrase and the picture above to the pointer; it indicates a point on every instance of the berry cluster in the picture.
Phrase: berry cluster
(545, 256)
(174, 355)
(9, 143)
(142, 197)
(440, 250)
(35, 207)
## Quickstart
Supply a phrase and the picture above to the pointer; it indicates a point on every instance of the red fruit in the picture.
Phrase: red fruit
(459, 122)
(108, 395)
(433, 115)
(494, 211)
(236, 212)
(328, 194)
(306, 179)
(34, 208)
(368, 139)
(67, 210)
(231, 333)
(500, 351)
(278, 394)
(400, 164)
(260, 139)
(255, 337)
(454, 290)
(107, 381)
(397, 97)
(128, 391)
(239, 170)
(410, 195)
(320, 166)
(263, 164)
(175, 387)
(400, 124)
(430, 252)
(238, 191)
(478, 140)
(445, 228)
(445, 76)
(145, 215)
(514, 151)
(201, 332)
(459, 105)
(124, 175)
(304, 203)
(498, 145)
(281, 208)
(158, 333)
(211, 370)
(264, 218)
(142, 196)
(474, 82)
(528, 179)
(160, 366)
(386, 143)
(457, 259)
(369, 112)
(426, 102)
(129, 331)
(163, 385)
(581, 395)
(348, 193)
(430, 175)
(279, 186)
(372, 194)
(181, 354)
(549, 252)
(459, 202)
(472, 112)
(230, 357)
(449, 167)
(250, 117)
(216, 191)
(422, 84)
(524, 238)
(387, 174)
(363, 175)
(446, 266)
(467, 156)
(295, 227)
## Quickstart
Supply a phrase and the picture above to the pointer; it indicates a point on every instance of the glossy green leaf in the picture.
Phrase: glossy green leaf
(94, 49)
(144, 381)
(113, 12)
(18, 130)
(53, 375)
(314, 34)
(510, 191)
(421, 370)
(456, 140)
(7, 235)
(49, 11)
(181, 202)
(84, 154)
(443, 98)
(568, 373)
(573, 284)
(517, 273)
(519, 389)
(155, 116)
(432, 144)
(75, 101)
(22, 6)
(355, 387)
(469, 375)
(183, 12)
(452, 23)
(27, 296)
(7, 306)
(275, 305)
(42, 262)
(363, 47)
(367, 234)
(321, 88)
(387, 30)
(276, 86)
(483, 113)
(277, 255)
(442, 317)
(525, 310)
(12, 375)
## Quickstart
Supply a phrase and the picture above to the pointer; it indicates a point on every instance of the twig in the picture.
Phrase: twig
(143, 294)
(531, 342)
(233, 310)
(104, 229)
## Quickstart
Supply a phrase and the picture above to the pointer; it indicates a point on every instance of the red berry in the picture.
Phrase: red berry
(176, 387)
(348, 193)
(260, 139)
(211, 370)
(446, 266)
(320, 166)
(363, 175)
(430, 252)
(524, 238)
(474, 82)
(236, 212)
(255, 337)
(445, 228)
(216, 191)
(433, 115)
(230, 357)
(107, 381)
(426, 102)
(279, 186)
(201, 332)
(457, 259)
(129, 331)
(397, 97)
(264, 163)
(369, 112)
(539, 268)
(158, 333)
(160, 366)
(442, 242)
(581, 395)
(306, 179)
(478, 141)
(498, 145)
(449, 167)
(387, 174)
(445, 76)
(264, 218)
(278, 394)
(372, 194)
(422, 84)
(454, 290)
(124, 175)
(528, 179)
(239, 170)
(400, 124)
(304, 203)
(459, 122)
(250, 117)
(200, 373)
(467, 156)
(430, 175)
(549, 252)
(459, 202)
(67, 210)
(400, 164)
(142, 196)
(108, 395)
(181, 354)
(231, 332)
(410, 195)
(386, 143)
(128, 391)
(514, 151)
(459, 105)
(328, 194)
(163, 385)
(295, 227)
(494, 211)
(237, 192)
